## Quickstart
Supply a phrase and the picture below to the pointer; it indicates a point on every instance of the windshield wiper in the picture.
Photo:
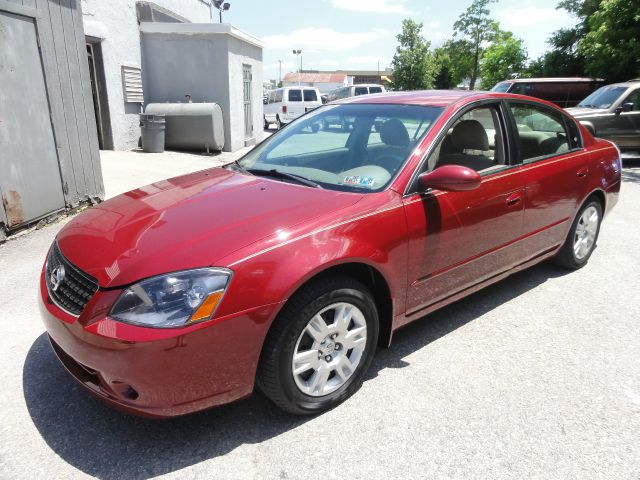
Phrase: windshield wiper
(236, 165)
(285, 175)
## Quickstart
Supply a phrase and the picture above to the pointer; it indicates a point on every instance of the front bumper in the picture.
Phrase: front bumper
(158, 372)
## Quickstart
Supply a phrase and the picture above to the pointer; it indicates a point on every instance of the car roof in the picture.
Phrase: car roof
(553, 80)
(436, 98)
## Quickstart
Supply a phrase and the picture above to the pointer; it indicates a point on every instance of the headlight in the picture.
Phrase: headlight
(172, 300)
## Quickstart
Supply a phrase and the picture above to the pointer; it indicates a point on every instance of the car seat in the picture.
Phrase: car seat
(468, 135)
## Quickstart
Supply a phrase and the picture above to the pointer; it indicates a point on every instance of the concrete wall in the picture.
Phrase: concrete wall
(206, 62)
(241, 53)
(115, 23)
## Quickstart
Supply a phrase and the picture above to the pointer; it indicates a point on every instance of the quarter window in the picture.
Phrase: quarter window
(295, 95)
(310, 96)
(541, 132)
(361, 91)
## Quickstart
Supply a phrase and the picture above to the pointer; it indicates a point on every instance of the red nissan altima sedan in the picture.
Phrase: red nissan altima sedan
(287, 268)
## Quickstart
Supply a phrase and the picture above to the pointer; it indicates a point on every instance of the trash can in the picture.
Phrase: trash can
(153, 127)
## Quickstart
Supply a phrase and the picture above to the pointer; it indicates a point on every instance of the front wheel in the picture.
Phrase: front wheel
(582, 237)
(320, 346)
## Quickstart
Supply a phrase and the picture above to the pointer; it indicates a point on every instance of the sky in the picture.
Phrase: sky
(356, 34)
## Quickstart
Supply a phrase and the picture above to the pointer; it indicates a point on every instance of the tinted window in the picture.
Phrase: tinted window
(501, 87)
(375, 89)
(521, 88)
(634, 97)
(541, 132)
(603, 97)
(310, 96)
(361, 91)
(295, 95)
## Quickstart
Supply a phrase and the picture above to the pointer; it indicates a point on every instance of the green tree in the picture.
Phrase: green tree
(563, 60)
(443, 70)
(413, 66)
(504, 57)
(611, 46)
(476, 27)
(461, 60)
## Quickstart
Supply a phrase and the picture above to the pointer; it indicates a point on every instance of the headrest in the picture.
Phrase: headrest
(470, 135)
(394, 133)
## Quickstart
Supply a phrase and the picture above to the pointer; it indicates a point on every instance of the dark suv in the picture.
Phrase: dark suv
(613, 112)
(564, 92)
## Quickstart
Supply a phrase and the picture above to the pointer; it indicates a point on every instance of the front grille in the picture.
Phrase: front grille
(68, 287)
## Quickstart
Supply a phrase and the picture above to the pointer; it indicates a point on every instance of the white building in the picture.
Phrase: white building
(114, 35)
(113, 45)
(325, 82)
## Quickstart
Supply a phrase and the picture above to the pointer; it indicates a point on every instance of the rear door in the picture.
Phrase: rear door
(556, 173)
(294, 103)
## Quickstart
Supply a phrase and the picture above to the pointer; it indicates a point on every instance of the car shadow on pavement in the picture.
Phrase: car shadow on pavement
(105, 443)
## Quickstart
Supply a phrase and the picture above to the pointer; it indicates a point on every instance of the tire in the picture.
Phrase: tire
(266, 124)
(305, 393)
(583, 236)
(278, 122)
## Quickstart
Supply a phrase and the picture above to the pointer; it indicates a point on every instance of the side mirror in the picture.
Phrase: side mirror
(625, 107)
(453, 178)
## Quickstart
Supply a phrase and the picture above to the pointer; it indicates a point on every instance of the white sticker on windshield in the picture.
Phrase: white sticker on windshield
(358, 181)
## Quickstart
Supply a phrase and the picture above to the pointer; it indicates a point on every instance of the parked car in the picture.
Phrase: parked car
(564, 92)
(287, 268)
(613, 112)
(355, 91)
(286, 104)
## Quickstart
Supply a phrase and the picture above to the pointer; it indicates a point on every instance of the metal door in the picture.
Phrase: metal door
(248, 115)
(30, 183)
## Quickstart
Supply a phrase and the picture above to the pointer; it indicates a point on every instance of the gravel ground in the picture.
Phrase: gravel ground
(535, 377)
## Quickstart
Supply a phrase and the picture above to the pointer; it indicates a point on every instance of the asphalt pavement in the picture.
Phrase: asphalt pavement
(535, 377)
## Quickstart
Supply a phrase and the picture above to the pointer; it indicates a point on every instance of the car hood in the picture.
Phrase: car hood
(578, 112)
(187, 222)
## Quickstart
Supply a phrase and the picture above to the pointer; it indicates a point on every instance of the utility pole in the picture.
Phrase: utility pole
(279, 72)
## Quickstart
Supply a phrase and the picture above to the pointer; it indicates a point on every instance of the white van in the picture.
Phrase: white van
(286, 104)
(355, 90)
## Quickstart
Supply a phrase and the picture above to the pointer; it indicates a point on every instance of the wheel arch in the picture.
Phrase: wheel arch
(368, 275)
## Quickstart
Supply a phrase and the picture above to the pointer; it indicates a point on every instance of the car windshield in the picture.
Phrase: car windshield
(501, 87)
(604, 97)
(359, 147)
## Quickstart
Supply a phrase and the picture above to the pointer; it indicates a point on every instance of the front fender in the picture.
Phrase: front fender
(375, 237)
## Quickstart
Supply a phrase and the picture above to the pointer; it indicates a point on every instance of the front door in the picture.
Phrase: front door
(458, 239)
(30, 181)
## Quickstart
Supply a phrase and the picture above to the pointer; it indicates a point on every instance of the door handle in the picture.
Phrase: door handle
(513, 199)
(582, 172)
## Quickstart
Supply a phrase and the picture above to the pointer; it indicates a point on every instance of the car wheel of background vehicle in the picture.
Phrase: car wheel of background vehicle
(319, 348)
(266, 124)
(582, 237)
(278, 122)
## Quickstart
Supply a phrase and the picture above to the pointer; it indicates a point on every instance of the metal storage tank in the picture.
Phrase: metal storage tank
(191, 126)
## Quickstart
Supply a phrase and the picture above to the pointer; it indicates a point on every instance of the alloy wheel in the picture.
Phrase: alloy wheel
(586, 232)
(329, 349)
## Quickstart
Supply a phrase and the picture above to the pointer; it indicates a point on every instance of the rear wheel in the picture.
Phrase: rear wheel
(278, 122)
(320, 346)
(583, 235)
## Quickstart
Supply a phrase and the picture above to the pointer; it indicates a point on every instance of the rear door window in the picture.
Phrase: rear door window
(361, 91)
(541, 132)
(375, 89)
(310, 96)
(295, 95)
